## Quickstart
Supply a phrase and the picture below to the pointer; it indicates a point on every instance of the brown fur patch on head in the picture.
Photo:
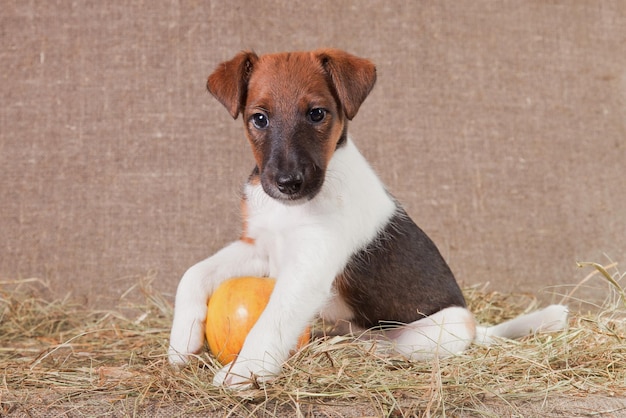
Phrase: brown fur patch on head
(352, 78)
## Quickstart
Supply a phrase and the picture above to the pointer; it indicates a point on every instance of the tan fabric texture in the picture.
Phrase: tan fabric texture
(501, 127)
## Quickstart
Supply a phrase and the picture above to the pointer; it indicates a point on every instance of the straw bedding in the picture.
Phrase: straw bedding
(58, 358)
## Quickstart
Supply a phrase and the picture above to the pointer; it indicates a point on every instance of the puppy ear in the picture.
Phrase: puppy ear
(229, 81)
(352, 77)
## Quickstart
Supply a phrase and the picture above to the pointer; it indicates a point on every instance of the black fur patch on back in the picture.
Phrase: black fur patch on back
(399, 277)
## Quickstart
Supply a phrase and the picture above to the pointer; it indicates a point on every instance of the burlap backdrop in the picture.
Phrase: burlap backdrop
(500, 125)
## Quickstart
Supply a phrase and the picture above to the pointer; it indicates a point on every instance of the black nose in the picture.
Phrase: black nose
(289, 183)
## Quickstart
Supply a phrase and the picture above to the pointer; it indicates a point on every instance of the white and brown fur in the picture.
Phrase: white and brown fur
(319, 220)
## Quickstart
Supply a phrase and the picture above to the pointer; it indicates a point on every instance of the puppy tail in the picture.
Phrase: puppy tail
(550, 319)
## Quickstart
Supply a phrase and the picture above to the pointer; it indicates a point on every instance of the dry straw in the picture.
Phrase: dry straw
(61, 359)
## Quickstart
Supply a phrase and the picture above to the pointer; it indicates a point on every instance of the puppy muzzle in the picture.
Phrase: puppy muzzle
(299, 184)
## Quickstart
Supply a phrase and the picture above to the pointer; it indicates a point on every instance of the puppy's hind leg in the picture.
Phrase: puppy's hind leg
(442, 334)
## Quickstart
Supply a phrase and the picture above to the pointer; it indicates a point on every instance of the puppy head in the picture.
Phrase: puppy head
(294, 107)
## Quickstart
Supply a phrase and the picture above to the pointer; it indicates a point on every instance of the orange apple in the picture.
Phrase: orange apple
(233, 310)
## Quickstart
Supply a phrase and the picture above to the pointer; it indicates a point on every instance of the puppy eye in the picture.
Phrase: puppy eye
(317, 115)
(259, 120)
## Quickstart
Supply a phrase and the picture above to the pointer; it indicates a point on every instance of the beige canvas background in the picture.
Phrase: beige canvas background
(500, 125)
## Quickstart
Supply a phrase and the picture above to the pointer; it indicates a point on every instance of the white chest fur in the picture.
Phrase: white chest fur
(347, 213)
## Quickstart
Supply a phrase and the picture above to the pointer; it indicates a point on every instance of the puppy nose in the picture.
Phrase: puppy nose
(289, 183)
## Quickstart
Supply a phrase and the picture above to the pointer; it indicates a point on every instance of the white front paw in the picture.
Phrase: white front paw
(176, 358)
(244, 374)
(186, 339)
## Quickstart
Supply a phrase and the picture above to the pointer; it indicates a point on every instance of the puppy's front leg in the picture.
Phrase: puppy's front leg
(302, 288)
(196, 286)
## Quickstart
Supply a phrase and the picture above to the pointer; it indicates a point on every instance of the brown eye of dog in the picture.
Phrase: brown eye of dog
(259, 120)
(317, 114)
